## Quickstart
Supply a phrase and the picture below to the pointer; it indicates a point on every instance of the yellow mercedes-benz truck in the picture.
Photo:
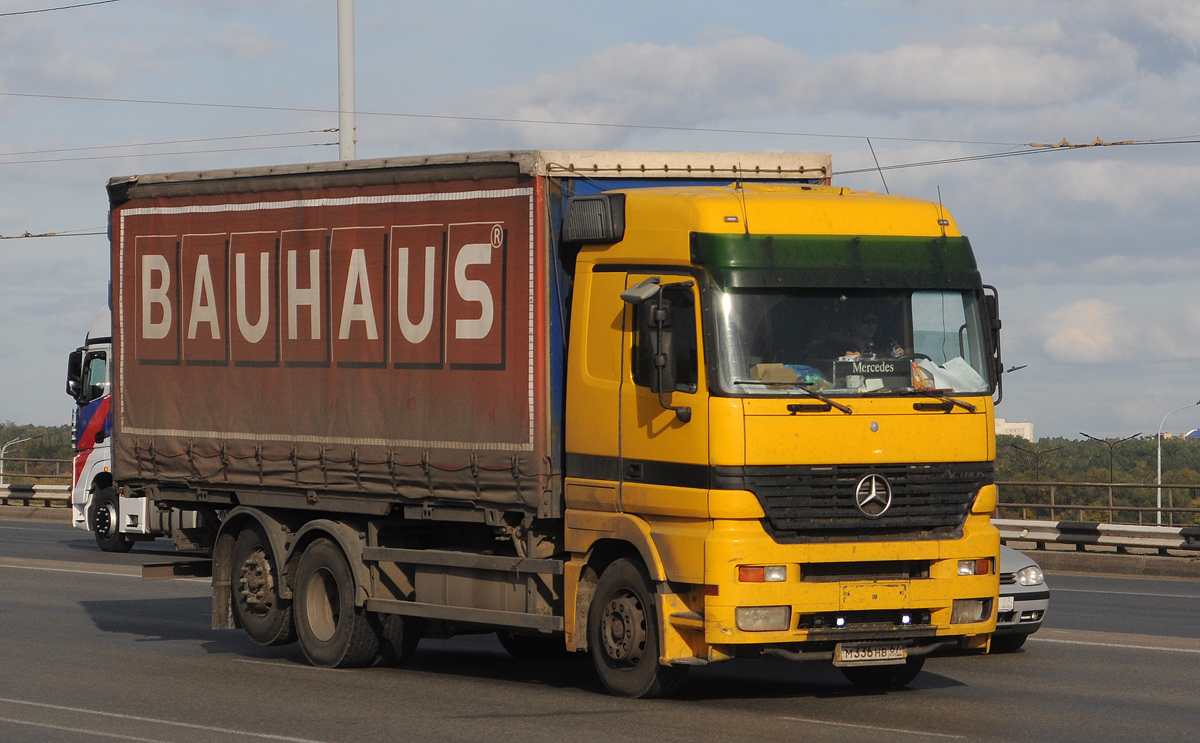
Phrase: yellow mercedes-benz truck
(666, 408)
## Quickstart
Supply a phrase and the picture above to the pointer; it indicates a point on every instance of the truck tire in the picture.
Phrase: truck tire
(398, 638)
(333, 632)
(104, 519)
(884, 677)
(255, 581)
(623, 635)
(533, 647)
(1008, 643)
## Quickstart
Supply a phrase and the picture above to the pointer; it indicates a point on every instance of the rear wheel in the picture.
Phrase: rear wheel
(1008, 643)
(104, 518)
(333, 632)
(623, 635)
(884, 677)
(265, 616)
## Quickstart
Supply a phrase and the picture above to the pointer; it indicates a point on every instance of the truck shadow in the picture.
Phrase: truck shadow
(482, 657)
(167, 620)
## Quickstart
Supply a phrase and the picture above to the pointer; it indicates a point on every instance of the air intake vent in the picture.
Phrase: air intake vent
(596, 218)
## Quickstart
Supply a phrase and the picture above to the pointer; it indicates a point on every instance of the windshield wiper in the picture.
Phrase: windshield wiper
(800, 386)
(950, 401)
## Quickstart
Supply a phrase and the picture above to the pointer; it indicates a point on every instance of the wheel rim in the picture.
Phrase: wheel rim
(623, 629)
(322, 604)
(106, 517)
(256, 584)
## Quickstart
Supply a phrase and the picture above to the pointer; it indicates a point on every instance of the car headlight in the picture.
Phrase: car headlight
(1030, 576)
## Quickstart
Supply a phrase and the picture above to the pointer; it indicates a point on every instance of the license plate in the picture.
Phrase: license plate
(1006, 603)
(869, 654)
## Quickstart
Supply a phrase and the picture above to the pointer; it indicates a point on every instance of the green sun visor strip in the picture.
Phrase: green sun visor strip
(836, 261)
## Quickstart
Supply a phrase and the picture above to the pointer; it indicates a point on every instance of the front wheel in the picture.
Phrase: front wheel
(884, 677)
(333, 632)
(104, 518)
(623, 635)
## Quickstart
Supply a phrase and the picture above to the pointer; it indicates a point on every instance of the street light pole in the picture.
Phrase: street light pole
(1160, 428)
(1111, 445)
(4, 451)
(1037, 462)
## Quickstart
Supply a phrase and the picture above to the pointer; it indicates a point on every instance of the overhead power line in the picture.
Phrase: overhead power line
(506, 120)
(164, 154)
(61, 233)
(61, 7)
(22, 153)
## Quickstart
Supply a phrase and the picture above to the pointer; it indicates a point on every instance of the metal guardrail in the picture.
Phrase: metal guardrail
(1116, 502)
(48, 494)
(7, 473)
(1085, 533)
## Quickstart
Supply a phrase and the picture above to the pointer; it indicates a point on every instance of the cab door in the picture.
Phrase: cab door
(664, 460)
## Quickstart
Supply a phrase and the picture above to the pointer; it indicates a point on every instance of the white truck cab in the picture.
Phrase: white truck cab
(97, 505)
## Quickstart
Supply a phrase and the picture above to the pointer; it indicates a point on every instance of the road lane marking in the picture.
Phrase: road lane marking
(1115, 645)
(67, 570)
(872, 727)
(1126, 593)
(277, 664)
(158, 721)
(66, 729)
(26, 528)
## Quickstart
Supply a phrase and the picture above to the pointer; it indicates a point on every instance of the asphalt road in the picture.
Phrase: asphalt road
(89, 652)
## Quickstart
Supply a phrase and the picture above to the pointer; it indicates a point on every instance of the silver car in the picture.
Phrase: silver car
(1024, 598)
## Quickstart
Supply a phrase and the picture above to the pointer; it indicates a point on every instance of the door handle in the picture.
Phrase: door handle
(633, 470)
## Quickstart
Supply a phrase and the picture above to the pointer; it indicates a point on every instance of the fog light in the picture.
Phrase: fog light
(841, 621)
(775, 573)
(763, 618)
(967, 611)
(905, 619)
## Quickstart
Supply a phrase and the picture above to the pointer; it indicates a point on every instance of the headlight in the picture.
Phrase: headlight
(1030, 576)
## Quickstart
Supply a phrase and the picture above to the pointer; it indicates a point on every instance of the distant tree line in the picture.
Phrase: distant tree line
(1133, 461)
(1070, 460)
(47, 443)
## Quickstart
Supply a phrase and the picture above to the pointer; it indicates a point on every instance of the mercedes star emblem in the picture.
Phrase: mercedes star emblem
(873, 496)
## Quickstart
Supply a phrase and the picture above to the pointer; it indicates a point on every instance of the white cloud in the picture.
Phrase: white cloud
(1095, 331)
(1087, 332)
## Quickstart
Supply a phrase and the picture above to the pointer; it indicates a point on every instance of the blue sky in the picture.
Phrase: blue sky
(1094, 251)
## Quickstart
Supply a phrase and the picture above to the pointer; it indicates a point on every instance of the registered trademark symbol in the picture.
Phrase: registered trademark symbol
(497, 236)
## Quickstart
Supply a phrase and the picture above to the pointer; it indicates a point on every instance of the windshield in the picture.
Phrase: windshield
(850, 342)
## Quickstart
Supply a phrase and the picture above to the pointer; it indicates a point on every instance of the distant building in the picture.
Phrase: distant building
(1192, 434)
(1024, 429)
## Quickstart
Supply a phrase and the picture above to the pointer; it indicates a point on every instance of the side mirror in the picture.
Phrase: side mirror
(75, 373)
(991, 306)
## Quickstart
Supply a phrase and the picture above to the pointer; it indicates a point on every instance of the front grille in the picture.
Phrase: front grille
(808, 503)
(1008, 579)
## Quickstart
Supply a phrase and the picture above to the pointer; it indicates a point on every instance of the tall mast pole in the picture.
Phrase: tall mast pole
(347, 129)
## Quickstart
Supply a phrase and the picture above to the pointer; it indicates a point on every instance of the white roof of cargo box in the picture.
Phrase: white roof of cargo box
(561, 163)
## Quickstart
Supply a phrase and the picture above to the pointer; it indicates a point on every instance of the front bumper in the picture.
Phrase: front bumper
(1028, 612)
(872, 607)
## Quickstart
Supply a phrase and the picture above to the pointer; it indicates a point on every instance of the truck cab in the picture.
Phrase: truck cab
(789, 391)
(94, 505)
